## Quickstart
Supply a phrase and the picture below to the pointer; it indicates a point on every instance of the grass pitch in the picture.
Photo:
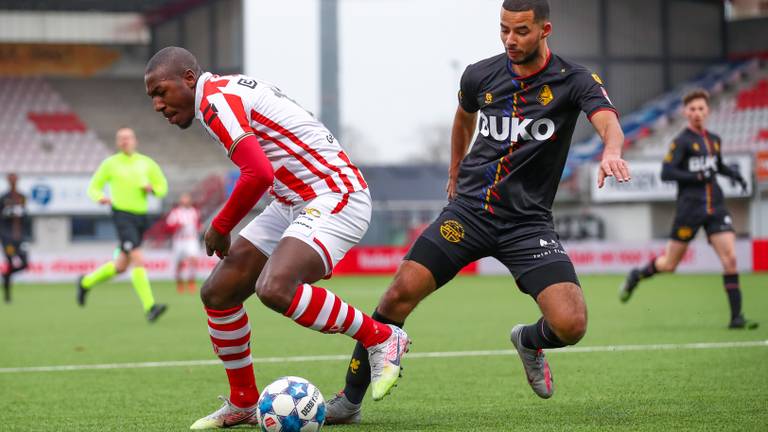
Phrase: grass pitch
(641, 390)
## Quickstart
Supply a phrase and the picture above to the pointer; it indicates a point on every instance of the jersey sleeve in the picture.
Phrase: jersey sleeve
(468, 89)
(157, 180)
(224, 114)
(671, 169)
(98, 180)
(590, 95)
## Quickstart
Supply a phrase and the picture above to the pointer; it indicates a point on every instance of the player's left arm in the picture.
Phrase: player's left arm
(727, 171)
(158, 184)
(590, 95)
(606, 123)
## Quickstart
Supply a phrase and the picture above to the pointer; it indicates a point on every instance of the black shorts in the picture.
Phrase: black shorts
(530, 250)
(14, 248)
(130, 229)
(689, 219)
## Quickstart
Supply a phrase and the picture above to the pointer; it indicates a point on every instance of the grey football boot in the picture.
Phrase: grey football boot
(535, 365)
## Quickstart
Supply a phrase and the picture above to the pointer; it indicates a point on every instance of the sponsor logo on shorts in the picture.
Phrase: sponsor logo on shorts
(452, 231)
(727, 220)
(550, 247)
(545, 95)
(684, 232)
(311, 211)
(127, 245)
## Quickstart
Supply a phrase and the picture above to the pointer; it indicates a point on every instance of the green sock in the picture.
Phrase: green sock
(141, 285)
(101, 274)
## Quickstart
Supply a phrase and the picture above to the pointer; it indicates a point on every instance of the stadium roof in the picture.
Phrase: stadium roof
(156, 10)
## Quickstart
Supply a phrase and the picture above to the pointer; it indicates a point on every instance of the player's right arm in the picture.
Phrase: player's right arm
(463, 129)
(225, 116)
(672, 170)
(98, 181)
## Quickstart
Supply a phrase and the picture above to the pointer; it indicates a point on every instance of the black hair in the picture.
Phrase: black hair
(175, 60)
(540, 8)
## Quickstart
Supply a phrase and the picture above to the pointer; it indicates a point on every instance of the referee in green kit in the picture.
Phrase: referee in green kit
(131, 177)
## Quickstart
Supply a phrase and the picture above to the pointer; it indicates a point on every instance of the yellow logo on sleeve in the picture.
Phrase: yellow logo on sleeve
(488, 98)
(596, 77)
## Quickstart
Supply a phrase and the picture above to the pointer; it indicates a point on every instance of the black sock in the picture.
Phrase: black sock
(540, 336)
(359, 370)
(7, 287)
(649, 270)
(731, 283)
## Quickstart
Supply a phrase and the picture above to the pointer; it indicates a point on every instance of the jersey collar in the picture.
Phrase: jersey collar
(521, 78)
(199, 93)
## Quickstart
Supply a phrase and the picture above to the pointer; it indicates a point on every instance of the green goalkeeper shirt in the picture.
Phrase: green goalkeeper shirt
(127, 177)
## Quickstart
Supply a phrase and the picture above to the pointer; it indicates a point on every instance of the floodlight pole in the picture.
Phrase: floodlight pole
(329, 66)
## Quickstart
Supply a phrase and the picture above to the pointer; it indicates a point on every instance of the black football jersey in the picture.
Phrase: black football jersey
(524, 132)
(690, 155)
(13, 214)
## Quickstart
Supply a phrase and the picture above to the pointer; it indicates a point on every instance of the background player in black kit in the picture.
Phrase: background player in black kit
(528, 101)
(694, 161)
(13, 219)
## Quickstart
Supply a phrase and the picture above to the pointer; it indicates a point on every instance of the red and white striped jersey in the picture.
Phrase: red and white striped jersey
(306, 158)
(186, 221)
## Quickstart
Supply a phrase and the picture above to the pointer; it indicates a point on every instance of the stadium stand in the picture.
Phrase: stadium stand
(108, 103)
(740, 113)
(40, 133)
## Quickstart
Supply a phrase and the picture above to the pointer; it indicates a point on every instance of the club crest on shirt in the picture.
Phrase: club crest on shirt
(488, 98)
(684, 233)
(696, 147)
(545, 95)
(452, 231)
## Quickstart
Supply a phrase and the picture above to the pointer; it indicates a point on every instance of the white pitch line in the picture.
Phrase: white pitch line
(415, 355)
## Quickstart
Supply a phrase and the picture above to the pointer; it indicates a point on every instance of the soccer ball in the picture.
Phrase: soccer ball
(291, 404)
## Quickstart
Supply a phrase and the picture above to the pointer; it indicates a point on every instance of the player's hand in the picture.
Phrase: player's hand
(613, 166)
(706, 175)
(217, 243)
(105, 201)
(451, 188)
(743, 184)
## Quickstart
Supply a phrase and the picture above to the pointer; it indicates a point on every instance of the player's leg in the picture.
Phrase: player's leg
(7, 248)
(192, 273)
(142, 286)
(316, 240)
(666, 263)
(443, 249)
(126, 229)
(724, 244)
(105, 272)
(232, 281)
(16, 254)
(555, 288)
(178, 271)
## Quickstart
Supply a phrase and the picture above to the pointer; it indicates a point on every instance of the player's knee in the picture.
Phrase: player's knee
(216, 299)
(666, 266)
(121, 266)
(276, 291)
(729, 262)
(573, 330)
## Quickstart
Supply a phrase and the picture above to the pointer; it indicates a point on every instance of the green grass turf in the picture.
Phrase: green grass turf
(712, 389)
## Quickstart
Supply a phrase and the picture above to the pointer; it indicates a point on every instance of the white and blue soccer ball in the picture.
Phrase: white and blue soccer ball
(291, 404)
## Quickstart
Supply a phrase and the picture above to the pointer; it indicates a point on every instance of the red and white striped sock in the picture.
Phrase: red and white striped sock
(231, 338)
(319, 309)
